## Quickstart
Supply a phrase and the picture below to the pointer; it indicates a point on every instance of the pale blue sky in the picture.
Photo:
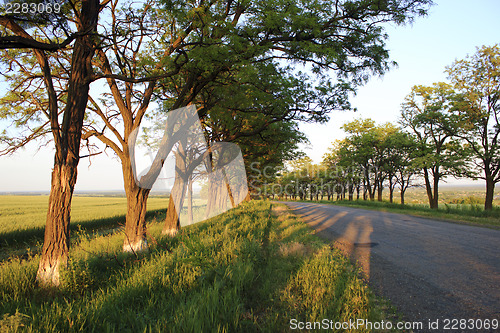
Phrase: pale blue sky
(453, 29)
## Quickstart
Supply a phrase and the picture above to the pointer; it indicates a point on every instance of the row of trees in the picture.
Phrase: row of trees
(95, 70)
(447, 129)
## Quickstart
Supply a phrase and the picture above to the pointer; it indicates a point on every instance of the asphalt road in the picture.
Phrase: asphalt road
(428, 269)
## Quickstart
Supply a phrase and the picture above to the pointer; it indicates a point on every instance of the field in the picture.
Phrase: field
(447, 195)
(251, 269)
(456, 204)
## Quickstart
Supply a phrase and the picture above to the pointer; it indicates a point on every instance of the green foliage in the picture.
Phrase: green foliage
(427, 113)
(477, 110)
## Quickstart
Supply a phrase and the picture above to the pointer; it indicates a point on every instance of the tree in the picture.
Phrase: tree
(426, 112)
(26, 33)
(370, 149)
(132, 67)
(342, 37)
(118, 112)
(402, 151)
(477, 78)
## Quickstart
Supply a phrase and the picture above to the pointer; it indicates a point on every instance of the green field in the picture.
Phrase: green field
(22, 218)
(250, 269)
(447, 195)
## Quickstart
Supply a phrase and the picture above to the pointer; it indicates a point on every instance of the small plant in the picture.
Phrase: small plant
(13, 323)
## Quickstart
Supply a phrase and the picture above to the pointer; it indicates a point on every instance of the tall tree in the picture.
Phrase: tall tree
(426, 112)
(343, 36)
(401, 153)
(41, 37)
(369, 150)
(477, 78)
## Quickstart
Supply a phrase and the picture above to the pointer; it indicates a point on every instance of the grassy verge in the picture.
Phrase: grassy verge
(247, 270)
(468, 214)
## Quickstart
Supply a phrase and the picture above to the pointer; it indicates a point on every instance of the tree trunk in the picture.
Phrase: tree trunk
(56, 241)
(392, 185)
(428, 189)
(175, 202)
(190, 201)
(135, 221)
(380, 189)
(436, 190)
(371, 192)
(228, 189)
(402, 196)
(490, 191)
(178, 193)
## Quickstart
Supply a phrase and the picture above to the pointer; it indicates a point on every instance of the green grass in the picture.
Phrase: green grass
(464, 213)
(244, 271)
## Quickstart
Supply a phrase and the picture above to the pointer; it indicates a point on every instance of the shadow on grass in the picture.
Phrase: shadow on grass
(33, 235)
(229, 273)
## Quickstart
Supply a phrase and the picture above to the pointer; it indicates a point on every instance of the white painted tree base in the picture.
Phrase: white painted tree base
(48, 275)
(170, 232)
(139, 246)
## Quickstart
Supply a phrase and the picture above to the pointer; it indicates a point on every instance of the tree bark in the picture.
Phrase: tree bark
(190, 201)
(135, 221)
(490, 191)
(402, 196)
(392, 185)
(380, 189)
(436, 189)
(56, 240)
(428, 189)
(176, 199)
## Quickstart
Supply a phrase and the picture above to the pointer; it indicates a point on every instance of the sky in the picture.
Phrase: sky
(452, 30)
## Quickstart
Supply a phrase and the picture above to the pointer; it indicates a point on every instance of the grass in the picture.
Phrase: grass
(250, 269)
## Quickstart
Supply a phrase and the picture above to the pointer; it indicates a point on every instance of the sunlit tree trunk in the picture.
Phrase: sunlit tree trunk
(56, 240)
(176, 200)
(490, 189)
(135, 221)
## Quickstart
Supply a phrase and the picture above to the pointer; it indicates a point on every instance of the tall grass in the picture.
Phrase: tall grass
(246, 270)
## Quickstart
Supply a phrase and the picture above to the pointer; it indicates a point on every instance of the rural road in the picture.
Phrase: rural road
(428, 269)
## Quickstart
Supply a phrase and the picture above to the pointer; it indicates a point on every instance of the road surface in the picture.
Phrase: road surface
(428, 269)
